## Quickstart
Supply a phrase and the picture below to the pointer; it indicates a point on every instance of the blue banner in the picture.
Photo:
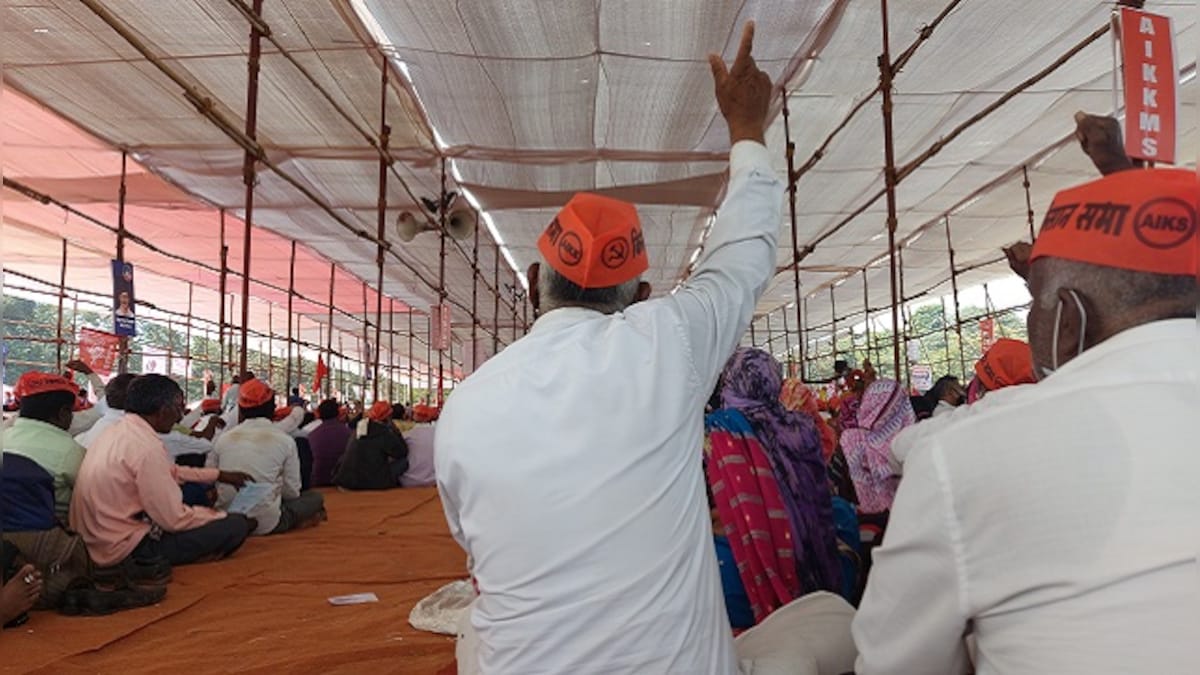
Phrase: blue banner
(124, 319)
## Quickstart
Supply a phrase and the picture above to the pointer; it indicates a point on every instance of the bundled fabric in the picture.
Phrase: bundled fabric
(751, 385)
(799, 397)
(751, 507)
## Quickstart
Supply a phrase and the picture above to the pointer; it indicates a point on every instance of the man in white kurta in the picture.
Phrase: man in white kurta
(1058, 522)
(570, 464)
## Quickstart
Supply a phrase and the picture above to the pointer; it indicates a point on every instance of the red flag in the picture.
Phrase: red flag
(322, 371)
(98, 350)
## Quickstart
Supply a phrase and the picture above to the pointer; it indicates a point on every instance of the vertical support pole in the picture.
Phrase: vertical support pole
(515, 315)
(290, 315)
(475, 299)
(902, 328)
(271, 344)
(411, 397)
(329, 335)
(962, 360)
(385, 133)
(833, 315)
(496, 305)
(770, 336)
(123, 360)
(804, 349)
(364, 352)
(62, 296)
(753, 335)
(249, 169)
(889, 173)
(429, 359)
(791, 167)
(442, 287)
(392, 349)
(187, 339)
(341, 369)
(222, 282)
(1028, 201)
(787, 342)
(867, 321)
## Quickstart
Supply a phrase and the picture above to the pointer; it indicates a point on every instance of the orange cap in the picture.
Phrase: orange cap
(1009, 362)
(596, 242)
(210, 405)
(281, 413)
(1138, 220)
(380, 412)
(254, 393)
(34, 383)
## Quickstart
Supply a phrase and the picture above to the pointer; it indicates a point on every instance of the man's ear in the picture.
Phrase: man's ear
(643, 293)
(531, 275)
(1073, 326)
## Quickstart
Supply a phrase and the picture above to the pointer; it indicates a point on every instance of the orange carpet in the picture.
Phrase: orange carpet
(265, 610)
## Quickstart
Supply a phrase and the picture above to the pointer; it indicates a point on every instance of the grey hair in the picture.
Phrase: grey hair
(1120, 290)
(557, 291)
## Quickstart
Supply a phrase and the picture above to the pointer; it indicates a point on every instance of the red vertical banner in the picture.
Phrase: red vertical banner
(987, 333)
(1151, 78)
(98, 350)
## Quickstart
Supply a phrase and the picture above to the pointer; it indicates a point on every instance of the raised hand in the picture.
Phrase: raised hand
(743, 91)
(1100, 138)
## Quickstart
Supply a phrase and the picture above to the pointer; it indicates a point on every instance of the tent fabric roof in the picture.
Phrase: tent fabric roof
(529, 102)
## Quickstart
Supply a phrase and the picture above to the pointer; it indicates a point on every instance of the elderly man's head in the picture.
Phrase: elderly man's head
(1112, 255)
(593, 257)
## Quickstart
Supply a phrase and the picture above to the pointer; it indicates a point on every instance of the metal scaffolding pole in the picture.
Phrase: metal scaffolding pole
(474, 300)
(770, 336)
(187, 339)
(223, 283)
(753, 337)
(290, 296)
(833, 315)
(411, 397)
(962, 359)
(429, 358)
(123, 360)
(1028, 202)
(62, 296)
(787, 343)
(248, 169)
(889, 173)
(902, 328)
(792, 180)
(391, 349)
(329, 335)
(496, 306)
(385, 133)
(804, 349)
(444, 324)
(364, 352)
(271, 343)
(871, 353)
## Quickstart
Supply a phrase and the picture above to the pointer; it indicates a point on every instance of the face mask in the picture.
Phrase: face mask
(1045, 372)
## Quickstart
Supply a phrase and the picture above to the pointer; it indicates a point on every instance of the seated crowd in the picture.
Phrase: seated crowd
(100, 501)
(1036, 517)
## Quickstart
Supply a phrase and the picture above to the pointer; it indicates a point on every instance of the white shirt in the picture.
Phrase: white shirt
(111, 417)
(179, 443)
(570, 467)
(268, 454)
(916, 436)
(943, 408)
(1061, 523)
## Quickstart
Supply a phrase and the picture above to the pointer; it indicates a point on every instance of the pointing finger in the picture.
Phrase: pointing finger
(744, 58)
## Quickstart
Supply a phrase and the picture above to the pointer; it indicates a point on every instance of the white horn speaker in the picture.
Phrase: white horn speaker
(460, 220)
(407, 226)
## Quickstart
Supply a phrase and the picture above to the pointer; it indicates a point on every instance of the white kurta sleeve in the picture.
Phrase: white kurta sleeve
(718, 300)
(914, 613)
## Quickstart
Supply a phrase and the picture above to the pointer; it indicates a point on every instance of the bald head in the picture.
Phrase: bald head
(1090, 303)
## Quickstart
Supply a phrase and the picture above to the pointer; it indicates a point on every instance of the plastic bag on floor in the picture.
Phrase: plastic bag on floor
(442, 611)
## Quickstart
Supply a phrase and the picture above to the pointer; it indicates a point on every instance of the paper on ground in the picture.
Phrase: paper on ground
(355, 599)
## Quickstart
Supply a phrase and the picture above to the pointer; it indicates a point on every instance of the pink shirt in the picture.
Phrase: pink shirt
(127, 472)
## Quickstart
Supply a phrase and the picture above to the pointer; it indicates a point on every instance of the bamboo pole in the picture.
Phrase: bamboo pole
(890, 177)
(249, 174)
(291, 294)
(62, 296)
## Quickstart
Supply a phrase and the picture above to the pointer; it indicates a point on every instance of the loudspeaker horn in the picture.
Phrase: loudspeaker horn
(407, 226)
(460, 219)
